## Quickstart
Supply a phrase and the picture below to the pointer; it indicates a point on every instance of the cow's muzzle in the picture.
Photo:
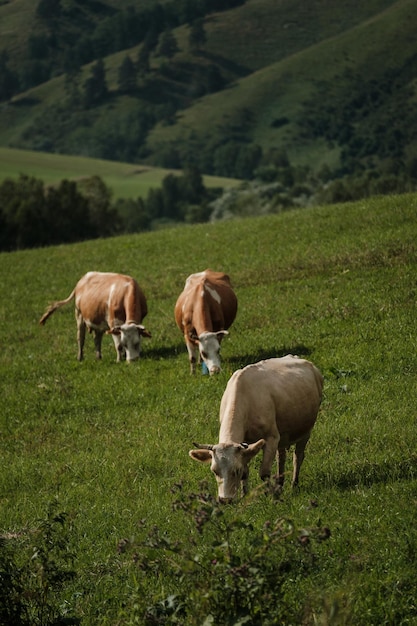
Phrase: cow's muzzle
(214, 370)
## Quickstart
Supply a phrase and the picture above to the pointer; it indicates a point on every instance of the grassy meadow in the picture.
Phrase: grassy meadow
(106, 444)
(126, 180)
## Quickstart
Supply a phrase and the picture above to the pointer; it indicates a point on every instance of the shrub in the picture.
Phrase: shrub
(35, 568)
(226, 571)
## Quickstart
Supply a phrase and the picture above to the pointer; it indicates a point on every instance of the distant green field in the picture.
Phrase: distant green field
(104, 518)
(126, 180)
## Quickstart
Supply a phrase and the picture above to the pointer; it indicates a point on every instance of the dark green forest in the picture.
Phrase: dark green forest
(33, 215)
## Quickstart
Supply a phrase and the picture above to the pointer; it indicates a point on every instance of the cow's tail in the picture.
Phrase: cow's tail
(53, 307)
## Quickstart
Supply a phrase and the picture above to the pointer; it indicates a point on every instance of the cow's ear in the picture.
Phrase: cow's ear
(143, 332)
(113, 331)
(193, 336)
(204, 456)
(252, 449)
(221, 334)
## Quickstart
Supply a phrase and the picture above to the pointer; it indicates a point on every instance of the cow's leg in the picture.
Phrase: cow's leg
(80, 334)
(281, 458)
(269, 453)
(98, 336)
(120, 351)
(245, 481)
(298, 458)
(193, 353)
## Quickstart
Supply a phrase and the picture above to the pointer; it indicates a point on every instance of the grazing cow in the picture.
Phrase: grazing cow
(203, 312)
(268, 405)
(107, 302)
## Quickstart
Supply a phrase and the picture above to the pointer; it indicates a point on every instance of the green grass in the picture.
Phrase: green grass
(126, 180)
(109, 441)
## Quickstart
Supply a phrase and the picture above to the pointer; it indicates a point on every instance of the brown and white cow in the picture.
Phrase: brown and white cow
(203, 312)
(108, 302)
(267, 406)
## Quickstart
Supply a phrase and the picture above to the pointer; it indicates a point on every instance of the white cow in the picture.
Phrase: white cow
(267, 406)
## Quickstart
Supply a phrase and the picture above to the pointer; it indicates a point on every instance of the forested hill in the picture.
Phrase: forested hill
(289, 92)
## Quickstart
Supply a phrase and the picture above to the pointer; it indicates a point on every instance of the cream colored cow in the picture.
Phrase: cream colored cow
(267, 406)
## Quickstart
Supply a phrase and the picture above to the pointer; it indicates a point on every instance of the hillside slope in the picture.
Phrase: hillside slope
(280, 91)
(328, 85)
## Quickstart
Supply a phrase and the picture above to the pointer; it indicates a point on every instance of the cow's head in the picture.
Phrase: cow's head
(127, 339)
(209, 347)
(229, 463)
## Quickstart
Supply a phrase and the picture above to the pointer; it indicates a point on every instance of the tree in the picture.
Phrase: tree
(133, 214)
(224, 159)
(33, 72)
(197, 213)
(190, 10)
(127, 76)
(143, 64)
(192, 185)
(38, 46)
(104, 219)
(155, 204)
(247, 161)
(197, 36)
(68, 214)
(9, 83)
(24, 205)
(48, 10)
(167, 46)
(95, 87)
(171, 195)
(72, 89)
(214, 79)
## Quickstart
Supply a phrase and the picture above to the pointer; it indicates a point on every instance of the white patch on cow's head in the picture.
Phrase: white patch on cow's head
(127, 339)
(229, 464)
(209, 346)
(214, 294)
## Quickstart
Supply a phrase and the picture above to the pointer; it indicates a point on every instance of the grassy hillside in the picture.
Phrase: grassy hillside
(18, 21)
(280, 89)
(107, 444)
(289, 68)
(125, 180)
(268, 32)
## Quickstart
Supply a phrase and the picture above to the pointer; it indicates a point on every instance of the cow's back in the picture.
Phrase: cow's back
(283, 393)
(100, 295)
(221, 300)
(228, 301)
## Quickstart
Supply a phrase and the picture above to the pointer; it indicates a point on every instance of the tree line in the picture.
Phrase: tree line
(35, 215)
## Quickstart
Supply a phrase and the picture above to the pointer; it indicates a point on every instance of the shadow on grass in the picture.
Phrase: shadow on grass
(239, 360)
(242, 360)
(163, 352)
